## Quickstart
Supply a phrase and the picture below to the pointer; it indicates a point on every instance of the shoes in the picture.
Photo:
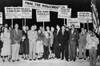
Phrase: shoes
(30, 59)
(39, 58)
(9, 60)
(17, 60)
(26, 59)
(13, 60)
(58, 58)
(74, 60)
(34, 59)
(70, 59)
(45, 59)
(3, 60)
(84, 58)
(80, 58)
(62, 59)
(66, 59)
(22, 57)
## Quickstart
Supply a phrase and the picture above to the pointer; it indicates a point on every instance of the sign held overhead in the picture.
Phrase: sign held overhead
(85, 17)
(73, 21)
(18, 12)
(42, 16)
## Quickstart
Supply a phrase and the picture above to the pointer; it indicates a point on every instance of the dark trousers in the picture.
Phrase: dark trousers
(87, 53)
(52, 48)
(98, 50)
(64, 52)
(57, 51)
(46, 52)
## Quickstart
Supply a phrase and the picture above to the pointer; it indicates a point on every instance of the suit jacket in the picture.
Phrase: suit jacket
(73, 36)
(32, 36)
(82, 39)
(57, 38)
(64, 38)
(16, 36)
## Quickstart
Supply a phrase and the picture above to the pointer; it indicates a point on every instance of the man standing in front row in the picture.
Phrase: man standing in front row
(64, 43)
(16, 36)
(56, 42)
(73, 38)
(32, 36)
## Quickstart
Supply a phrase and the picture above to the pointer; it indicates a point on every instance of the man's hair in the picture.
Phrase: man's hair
(16, 24)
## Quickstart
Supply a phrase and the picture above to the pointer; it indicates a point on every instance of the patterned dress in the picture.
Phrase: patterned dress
(39, 45)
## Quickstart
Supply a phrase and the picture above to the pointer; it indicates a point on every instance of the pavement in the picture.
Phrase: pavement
(51, 62)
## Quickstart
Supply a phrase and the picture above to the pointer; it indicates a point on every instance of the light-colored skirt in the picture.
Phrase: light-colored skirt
(39, 47)
(6, 49)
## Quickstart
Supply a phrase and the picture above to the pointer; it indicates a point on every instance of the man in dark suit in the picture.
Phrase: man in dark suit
(66, 43)
(16, 36)
(64, 36)
(73, 42)
(56, 42)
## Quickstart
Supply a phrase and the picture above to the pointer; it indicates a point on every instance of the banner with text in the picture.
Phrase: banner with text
(42, 16)
(1, 18)
(73, 21)
(18, 12)
(36, 5)
(64, 12)
(85, 17)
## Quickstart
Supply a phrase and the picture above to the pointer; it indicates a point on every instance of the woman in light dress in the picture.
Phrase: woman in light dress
(39, 45)
(92, 43)
(6, 51)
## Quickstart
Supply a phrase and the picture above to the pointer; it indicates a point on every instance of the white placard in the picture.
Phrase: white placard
(42, 16)
(26, 12)
(18, 12)
(37, 5)
(64, 12)
(73, 21)
(1, 18)
(85, 17)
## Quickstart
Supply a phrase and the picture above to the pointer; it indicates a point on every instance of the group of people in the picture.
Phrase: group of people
(61, 43)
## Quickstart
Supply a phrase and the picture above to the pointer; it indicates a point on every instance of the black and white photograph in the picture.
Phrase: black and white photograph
(49, 32)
